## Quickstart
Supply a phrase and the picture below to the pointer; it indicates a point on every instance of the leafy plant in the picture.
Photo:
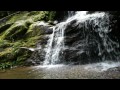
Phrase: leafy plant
(6, 65)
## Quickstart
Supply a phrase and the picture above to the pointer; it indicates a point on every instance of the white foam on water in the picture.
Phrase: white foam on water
(102, 66)
(49, 66)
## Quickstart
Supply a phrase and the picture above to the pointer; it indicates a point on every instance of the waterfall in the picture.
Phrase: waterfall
(55, 44)
(97, 22)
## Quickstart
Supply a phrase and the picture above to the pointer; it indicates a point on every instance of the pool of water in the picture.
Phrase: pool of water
(89, 71)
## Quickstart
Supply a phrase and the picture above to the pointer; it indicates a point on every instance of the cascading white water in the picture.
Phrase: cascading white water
(55, 44)
(99, 19)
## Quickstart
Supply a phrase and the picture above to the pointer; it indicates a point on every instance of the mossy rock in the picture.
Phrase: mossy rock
(45, 15)
(15, 32)
(11, 54)
(22, 55)
(19, 16)
(36, 29)
(5, 55)
(23, 30)
(52, 15)
(4, 27)
(5, 44)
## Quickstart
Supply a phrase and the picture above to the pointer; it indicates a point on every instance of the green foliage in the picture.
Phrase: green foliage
(6, 65)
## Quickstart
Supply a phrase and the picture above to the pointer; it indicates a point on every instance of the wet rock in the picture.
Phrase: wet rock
(36, 58)
(37, 29)
(115, 25)
(29, 62)
(53, 22)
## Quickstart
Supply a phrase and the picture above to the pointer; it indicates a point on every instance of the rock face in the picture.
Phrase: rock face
(81, 45)
(23, 29)
(115, 25)
(38, 55)
(86, 42)
(32, 30)
(85, 45)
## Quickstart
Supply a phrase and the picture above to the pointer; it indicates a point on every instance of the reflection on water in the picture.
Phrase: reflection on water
(61, 71)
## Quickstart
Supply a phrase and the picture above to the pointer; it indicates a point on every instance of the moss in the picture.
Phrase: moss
(34, 30)
(5, 55)
(51, 16)
(33, 13)
(5, 44)
(17, 17)
(15, 32)
(4, 27)
(41, 16)
(6, 51)
(45, 15)
(24, 56)
(31, 42)
(28, 22)
(17, 55)
(21, 30)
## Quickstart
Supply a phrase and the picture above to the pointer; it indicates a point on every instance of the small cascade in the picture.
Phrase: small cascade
(55, 45)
